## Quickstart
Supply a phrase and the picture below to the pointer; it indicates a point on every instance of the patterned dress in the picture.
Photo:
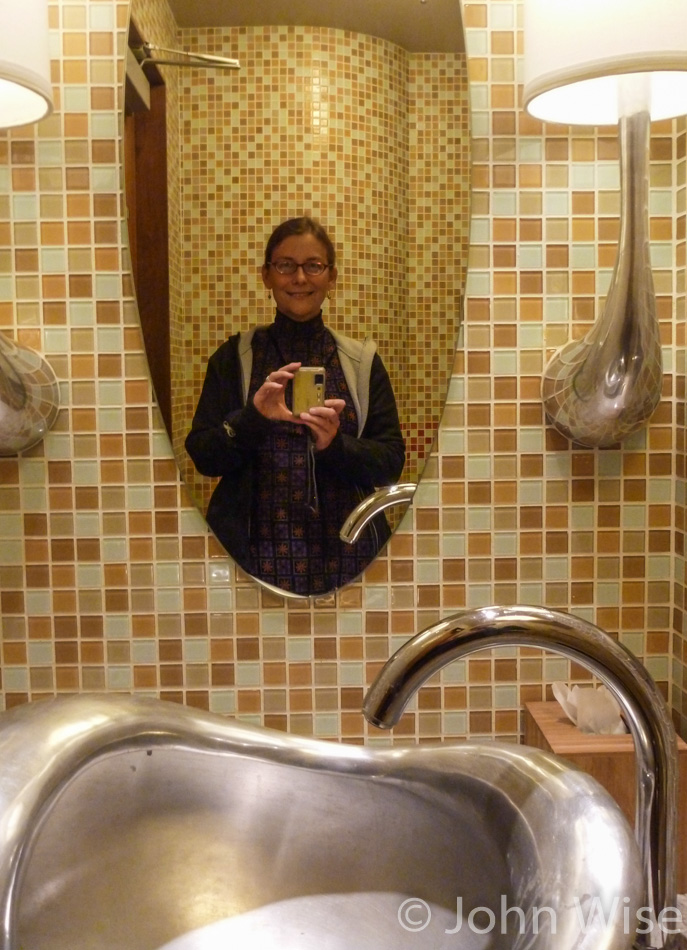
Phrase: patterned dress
(299, 508)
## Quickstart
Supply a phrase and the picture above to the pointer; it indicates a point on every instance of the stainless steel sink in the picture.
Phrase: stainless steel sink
(130, 824)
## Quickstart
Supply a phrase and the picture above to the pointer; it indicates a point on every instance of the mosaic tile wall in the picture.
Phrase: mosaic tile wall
(557, 524)
(320, 121)
(679, 651)
(108, 579)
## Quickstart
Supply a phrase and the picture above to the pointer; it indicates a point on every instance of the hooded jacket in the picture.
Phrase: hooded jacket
(226, 430)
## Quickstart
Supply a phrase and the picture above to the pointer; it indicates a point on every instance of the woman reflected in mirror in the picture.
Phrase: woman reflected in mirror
(289, 480)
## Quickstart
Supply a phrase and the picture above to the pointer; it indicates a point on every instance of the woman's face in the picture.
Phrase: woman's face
(299, 295)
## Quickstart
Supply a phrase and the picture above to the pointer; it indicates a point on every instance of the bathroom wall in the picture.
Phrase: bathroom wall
(679, 647)
(368, 138)
(108, 579)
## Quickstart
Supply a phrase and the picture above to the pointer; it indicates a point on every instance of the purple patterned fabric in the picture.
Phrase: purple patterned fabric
(293, 544)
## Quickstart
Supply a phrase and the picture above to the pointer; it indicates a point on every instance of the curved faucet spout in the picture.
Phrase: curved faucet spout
(642, 705)
(363, 513)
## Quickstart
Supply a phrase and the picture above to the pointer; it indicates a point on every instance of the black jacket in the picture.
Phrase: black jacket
(226, 431)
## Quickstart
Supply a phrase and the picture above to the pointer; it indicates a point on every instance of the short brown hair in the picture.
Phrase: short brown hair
(303, 225)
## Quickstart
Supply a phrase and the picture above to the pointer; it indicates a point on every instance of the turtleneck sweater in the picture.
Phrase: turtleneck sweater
(299, 506)
(265, 509)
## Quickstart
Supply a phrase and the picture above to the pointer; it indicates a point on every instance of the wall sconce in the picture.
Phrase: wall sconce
(29, 392)
(599, 63)
(25, 88)
(29, 397)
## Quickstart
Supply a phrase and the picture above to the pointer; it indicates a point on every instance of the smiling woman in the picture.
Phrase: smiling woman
(366, 136)
(290, 477)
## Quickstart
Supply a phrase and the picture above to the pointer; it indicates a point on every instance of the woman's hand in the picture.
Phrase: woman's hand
(323, 421)
(269, 399)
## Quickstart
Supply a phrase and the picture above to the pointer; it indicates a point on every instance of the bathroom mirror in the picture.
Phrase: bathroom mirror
(356, 114)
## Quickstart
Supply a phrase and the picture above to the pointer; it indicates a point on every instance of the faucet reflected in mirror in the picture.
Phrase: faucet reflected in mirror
(383, 498)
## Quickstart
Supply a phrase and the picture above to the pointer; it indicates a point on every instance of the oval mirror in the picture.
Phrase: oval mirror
(359, 119)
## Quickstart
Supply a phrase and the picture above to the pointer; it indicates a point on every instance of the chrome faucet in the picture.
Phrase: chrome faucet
(369, 507)
(642, 705)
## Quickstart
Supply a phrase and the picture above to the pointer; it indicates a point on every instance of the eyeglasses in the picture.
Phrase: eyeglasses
(311, 268)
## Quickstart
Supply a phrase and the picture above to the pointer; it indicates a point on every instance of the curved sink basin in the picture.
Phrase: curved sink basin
(130, 824)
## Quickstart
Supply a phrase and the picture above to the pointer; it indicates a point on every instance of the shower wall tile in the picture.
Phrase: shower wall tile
(108, 577)
(362, 135)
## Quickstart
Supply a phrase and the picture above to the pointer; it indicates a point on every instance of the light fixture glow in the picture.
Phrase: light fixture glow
(595, 101)
(575, 50)
(25, 89)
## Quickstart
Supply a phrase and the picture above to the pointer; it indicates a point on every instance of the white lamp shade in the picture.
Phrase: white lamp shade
(25, 88)
(577, 50)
